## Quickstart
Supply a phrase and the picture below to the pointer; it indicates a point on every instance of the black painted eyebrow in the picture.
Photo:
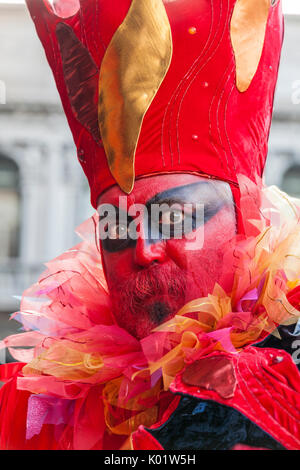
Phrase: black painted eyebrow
(168, 200)
(118, 211)
(171, 196)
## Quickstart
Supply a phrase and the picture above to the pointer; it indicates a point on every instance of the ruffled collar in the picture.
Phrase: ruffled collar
(71, 345)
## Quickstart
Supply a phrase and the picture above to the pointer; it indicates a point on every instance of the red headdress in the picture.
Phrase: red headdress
(164, 86)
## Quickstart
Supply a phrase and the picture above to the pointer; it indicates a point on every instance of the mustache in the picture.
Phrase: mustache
(163, 284)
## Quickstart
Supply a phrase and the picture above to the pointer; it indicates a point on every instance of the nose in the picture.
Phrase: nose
(147, 252)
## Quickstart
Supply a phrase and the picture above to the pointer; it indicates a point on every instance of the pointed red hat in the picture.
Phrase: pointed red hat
(164, 86)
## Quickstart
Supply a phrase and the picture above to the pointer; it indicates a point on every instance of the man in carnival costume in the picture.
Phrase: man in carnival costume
(149, 335)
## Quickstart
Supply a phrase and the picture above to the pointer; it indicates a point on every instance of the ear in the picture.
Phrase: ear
(81, 78)
(248, 30)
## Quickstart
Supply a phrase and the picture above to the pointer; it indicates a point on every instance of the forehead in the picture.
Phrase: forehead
(147, 188)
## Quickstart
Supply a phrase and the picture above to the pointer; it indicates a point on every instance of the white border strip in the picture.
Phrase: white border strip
(290, 7)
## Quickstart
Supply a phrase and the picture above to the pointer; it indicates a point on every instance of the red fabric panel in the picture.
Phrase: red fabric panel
(13, 415)
(199, 121)
(142, 440)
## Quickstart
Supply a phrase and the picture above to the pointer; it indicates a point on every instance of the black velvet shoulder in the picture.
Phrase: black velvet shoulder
(206, 425)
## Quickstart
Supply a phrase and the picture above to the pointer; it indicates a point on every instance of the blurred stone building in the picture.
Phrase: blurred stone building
(283, 168)
(43, 194)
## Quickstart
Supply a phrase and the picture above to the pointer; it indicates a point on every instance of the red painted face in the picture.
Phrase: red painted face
(150, 278)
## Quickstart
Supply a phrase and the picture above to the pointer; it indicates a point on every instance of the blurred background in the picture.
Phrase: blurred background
(43, 193)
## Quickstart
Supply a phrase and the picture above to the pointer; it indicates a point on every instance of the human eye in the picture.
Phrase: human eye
(117, 231)
(172, 217)
(117, 237)
(172, 222)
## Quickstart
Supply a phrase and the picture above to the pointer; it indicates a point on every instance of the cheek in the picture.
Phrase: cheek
(204, 262)
(222, 227)
(118, 266)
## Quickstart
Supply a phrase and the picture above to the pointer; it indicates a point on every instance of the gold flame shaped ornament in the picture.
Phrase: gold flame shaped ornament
(248, 30)
(133, 68)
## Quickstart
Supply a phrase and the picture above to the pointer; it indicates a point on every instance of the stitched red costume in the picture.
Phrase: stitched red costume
(153, 88)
